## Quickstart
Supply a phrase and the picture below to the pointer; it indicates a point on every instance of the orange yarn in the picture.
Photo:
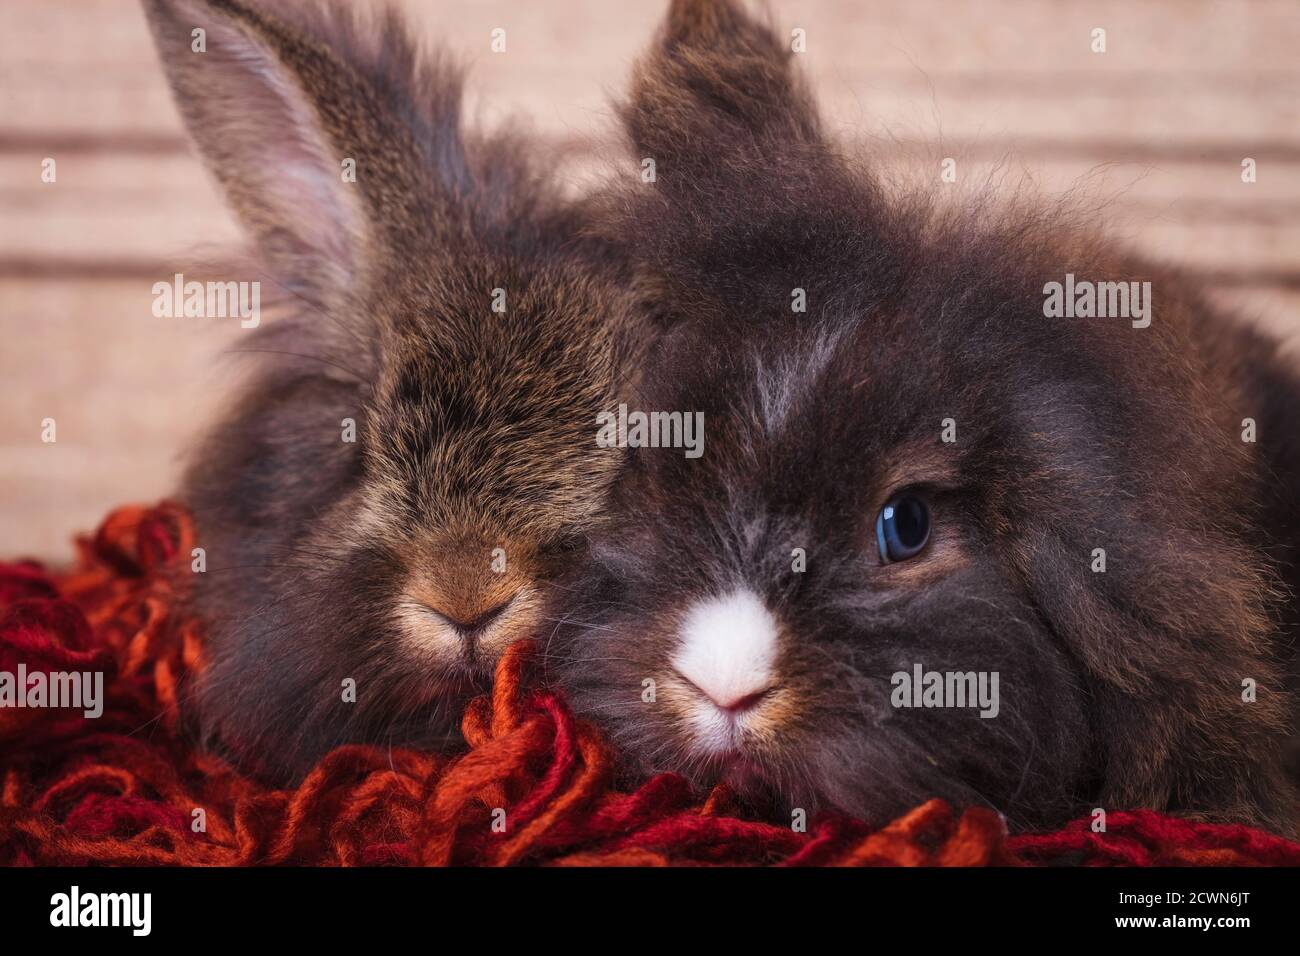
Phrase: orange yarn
(533, 784)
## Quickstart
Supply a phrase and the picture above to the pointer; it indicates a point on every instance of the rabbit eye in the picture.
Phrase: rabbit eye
(902, 528)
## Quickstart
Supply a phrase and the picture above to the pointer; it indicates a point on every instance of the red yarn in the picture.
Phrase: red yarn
(124, 788)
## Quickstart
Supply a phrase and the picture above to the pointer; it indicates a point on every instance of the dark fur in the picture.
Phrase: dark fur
(475, 429)
(1121, 689)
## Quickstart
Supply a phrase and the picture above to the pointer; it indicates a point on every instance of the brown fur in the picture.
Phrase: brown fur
(1119, 689)
(475, 429)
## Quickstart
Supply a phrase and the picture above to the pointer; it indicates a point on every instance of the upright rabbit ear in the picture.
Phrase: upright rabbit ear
(717, 92)
(314, 125)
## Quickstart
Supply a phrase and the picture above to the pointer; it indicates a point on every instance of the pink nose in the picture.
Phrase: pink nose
(731, 701)
(738, 705)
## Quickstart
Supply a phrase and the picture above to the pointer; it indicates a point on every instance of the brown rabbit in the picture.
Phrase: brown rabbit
(925, 472)
(360, 590)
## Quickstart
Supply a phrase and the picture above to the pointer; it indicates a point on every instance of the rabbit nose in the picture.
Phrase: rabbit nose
(472, 627)
(733, 703)
(727, 650)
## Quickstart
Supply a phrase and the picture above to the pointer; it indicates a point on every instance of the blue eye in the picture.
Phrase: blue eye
(902, 528)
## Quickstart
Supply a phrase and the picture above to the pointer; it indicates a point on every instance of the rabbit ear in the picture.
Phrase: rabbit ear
(312, 126)
(717, 92)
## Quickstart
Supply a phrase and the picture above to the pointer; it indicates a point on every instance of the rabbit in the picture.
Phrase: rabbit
(393, 488)
(920, 473)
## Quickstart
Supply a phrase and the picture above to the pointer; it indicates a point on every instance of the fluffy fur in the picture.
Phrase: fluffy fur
(1118, 689)
(377, 560)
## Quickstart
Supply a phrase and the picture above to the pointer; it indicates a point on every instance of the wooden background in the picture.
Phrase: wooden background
(1156, 127)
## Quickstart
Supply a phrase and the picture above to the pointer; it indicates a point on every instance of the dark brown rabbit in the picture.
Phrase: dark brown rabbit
(923, 471)
(440, 300)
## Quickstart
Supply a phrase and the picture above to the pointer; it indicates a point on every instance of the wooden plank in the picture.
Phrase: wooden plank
(596, 36)
(125, 389)
(159, 209)
(1182, 70)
